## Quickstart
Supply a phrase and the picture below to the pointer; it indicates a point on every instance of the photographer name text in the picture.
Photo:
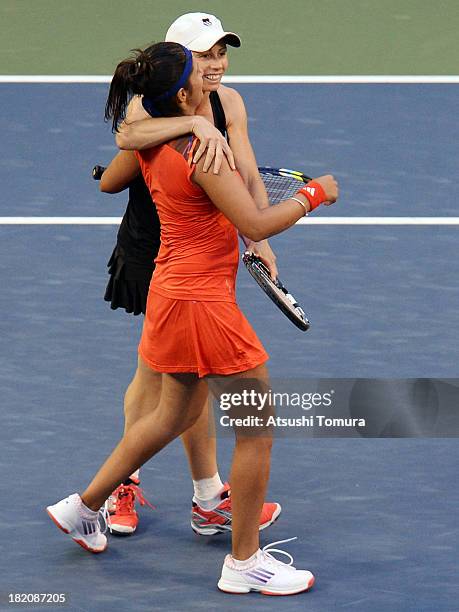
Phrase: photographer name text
(316, 420)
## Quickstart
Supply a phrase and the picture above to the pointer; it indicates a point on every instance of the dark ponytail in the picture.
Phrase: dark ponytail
(150, 73)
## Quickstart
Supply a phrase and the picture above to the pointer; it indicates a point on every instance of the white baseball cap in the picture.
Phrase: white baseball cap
(200, 32)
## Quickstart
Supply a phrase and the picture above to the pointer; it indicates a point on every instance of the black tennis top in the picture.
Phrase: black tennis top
(139, 232)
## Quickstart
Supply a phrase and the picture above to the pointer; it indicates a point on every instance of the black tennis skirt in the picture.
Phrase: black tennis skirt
(128, 284)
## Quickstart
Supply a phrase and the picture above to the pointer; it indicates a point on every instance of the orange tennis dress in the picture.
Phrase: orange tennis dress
(192, 323)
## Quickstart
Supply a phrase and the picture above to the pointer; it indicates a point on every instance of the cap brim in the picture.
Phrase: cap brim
(204, 43)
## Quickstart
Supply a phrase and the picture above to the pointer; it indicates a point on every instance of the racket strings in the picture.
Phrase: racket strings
(280, 187)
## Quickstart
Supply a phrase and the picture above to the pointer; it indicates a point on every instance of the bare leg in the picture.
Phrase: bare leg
(142, 397)
(249, 482)
(180, 404)
(201, 446)
(249, 474)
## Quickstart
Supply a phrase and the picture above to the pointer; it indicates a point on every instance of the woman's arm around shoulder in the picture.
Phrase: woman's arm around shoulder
(140, 131)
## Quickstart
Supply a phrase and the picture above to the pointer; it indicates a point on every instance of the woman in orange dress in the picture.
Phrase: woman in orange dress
(193, 327)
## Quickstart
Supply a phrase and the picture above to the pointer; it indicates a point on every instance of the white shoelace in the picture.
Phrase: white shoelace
(268, 549)
(105, 515)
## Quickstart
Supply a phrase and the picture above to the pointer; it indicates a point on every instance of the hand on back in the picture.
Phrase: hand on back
(213, 144)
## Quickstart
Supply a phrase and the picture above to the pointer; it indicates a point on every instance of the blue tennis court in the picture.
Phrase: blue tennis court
(375, 519)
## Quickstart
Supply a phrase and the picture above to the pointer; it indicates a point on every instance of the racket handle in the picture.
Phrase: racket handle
(97, 172)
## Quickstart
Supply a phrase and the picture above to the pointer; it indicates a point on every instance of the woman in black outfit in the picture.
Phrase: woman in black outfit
(132, 262)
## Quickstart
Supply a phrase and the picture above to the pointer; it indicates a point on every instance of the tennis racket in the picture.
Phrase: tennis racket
(276, 291)
(280, 183)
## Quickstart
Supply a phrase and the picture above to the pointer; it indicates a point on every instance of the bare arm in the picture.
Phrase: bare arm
(230, 195)
(123, 168)
(146, 133)
(140, 131)
(242, 148)
(248, 168)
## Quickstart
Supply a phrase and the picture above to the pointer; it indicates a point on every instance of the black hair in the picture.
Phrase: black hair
(150, 73)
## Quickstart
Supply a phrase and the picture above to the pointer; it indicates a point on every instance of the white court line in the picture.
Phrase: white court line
(304, 221)
(379, 221)
(256, 78)
(60, 220)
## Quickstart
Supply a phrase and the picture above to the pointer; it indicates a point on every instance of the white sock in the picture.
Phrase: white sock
(245, 564)
(207, 492)
(135, 475)
(86, 512)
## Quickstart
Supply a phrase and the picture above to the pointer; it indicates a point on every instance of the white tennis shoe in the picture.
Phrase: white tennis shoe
(265, 574)
(79, 522)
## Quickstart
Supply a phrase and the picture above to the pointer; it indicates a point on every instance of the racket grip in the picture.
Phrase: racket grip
(97, 172)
